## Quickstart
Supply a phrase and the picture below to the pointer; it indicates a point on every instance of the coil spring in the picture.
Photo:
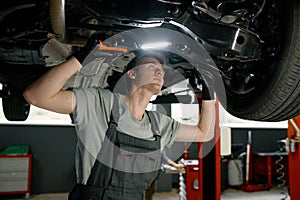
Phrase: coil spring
(280, 178)
(182, 188)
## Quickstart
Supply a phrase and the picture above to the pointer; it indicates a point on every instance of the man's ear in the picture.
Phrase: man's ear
(131, 74)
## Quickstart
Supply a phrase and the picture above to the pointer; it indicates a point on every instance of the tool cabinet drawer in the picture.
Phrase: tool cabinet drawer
(15, 174)
(14, 164)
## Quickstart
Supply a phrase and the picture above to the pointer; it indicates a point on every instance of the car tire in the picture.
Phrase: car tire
(279, 97)
(15, 107)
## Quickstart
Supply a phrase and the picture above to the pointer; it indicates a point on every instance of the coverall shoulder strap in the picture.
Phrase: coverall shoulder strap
(154, 123)
(114, 115)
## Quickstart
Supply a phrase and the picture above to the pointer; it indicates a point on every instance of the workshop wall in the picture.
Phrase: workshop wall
(53, 150)
(263, 140)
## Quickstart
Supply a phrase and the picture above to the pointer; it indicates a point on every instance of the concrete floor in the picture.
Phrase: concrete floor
(273, 194)
(229, 194)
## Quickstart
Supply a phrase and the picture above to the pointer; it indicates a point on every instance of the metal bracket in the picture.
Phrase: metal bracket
(291, 144)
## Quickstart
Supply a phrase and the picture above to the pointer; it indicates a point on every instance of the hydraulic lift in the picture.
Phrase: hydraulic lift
(293, 148)
(203, 176)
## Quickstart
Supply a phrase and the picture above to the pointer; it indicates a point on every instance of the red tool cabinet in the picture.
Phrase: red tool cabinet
(15, 174)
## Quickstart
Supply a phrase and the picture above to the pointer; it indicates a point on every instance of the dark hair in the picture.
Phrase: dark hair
(142, 54)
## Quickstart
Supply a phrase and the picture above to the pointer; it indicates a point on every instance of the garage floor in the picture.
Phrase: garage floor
(273, 194)
(229, 194)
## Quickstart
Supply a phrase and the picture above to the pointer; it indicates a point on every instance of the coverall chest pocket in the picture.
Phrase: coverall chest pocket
(135, 168)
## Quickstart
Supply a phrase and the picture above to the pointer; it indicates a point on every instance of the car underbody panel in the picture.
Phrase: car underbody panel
(252, 43)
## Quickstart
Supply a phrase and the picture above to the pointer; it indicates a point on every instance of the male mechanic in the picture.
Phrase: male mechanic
(118, 139)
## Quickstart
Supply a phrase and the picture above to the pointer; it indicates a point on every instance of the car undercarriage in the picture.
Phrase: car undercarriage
(253, 44)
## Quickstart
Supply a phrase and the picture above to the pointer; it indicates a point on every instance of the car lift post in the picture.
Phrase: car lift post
(208, 169)
(209, 173)
(293, 148)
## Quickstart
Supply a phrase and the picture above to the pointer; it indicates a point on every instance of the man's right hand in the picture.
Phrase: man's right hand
(206, 79)
(84, 51)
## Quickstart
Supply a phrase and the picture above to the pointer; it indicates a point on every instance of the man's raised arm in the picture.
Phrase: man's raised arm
(204, 130)
(47, 91)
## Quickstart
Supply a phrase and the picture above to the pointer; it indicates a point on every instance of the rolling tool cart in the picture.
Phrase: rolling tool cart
(15, 171)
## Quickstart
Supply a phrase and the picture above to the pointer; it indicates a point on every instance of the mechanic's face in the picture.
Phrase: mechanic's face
(150, 74)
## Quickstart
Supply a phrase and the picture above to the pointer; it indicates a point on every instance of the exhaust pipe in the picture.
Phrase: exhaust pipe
(57, 18)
